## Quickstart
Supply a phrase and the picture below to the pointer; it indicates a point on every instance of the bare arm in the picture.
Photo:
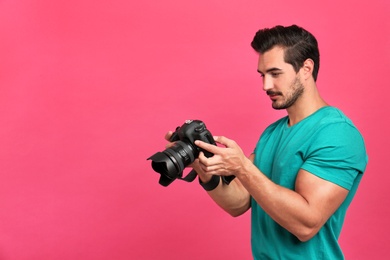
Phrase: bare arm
(302, 211)
(233, 198)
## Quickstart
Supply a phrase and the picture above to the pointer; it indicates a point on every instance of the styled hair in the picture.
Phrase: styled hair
(298, 44)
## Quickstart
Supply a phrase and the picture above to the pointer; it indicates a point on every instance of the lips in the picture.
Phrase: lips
(273, 95)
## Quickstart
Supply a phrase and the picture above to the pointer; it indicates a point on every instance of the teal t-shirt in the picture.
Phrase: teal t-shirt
(326, 144)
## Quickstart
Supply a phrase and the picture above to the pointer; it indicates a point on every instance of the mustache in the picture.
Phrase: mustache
(273, 93)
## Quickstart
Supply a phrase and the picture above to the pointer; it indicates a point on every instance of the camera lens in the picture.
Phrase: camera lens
(171, 162)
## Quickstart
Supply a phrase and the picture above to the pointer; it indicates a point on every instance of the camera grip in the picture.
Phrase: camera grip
(207, 153)
(207, 138)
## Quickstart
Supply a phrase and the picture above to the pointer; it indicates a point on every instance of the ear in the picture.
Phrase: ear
(307, 69)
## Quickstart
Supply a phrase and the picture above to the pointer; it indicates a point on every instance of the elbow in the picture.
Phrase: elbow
(308, 228)
(307, 233)
(304, 237)
(235, 213)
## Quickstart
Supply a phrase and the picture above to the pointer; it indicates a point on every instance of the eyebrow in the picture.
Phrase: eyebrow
(269, 70)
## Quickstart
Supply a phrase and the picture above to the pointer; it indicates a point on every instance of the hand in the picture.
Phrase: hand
(195, 165)
(228, 160)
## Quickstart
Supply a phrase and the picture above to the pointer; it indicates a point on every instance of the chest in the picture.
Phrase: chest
(281, 155)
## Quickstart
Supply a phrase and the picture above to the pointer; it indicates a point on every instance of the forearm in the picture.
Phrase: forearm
(232, 198)
(286, 207)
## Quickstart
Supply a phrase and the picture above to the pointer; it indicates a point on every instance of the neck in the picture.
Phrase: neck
(307, 104)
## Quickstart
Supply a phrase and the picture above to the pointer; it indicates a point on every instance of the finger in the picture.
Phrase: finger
(209, 161)
(208, 147)
(168, 135)
(169, 145)
(224, 141)
(206, 165)
(212, 169)
(201, 169)
(202, 158)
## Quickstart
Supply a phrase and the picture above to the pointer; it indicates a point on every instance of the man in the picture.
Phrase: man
(306, 166)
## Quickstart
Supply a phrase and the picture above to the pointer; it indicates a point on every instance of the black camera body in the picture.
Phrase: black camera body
(191, 131)
(171, 162)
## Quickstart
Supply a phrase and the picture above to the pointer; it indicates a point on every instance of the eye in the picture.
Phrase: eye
(275, 74)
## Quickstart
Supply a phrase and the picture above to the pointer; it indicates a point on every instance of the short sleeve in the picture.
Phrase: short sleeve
(337, 154)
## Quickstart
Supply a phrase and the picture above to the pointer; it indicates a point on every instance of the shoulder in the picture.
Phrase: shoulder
(333, 125)
(336, 140)
(329, 115)
(282, 122)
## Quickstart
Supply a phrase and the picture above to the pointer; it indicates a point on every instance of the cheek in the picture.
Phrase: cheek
(281, 83)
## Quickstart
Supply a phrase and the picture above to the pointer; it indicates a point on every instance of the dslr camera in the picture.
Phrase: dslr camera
(171, 162)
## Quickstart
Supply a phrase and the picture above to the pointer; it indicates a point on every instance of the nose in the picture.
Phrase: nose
(267, 83)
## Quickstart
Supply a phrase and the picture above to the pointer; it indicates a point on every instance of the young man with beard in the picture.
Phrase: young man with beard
(306, 167)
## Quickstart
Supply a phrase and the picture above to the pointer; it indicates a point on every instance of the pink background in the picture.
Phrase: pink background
(89, 88)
